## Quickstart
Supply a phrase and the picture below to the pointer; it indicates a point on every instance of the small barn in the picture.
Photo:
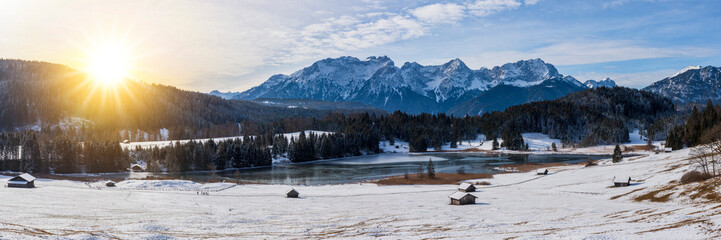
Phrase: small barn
(292, 193)
(466, 187)
(22, 181)
(110, 184)
(542, 171)
(462, 198)
(668, 150)
(621, 181)
(136, 168)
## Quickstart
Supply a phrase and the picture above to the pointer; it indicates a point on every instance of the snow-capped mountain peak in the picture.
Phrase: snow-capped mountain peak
(686, 70)
(223, 95)
(525, 73)
(603, 83)
(693, 84)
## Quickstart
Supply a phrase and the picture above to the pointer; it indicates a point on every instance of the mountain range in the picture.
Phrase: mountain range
(412, 88)
(451, 87)
(456, 89)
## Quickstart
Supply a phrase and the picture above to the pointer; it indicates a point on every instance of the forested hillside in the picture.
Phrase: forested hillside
(40, 95)
(589, 117)
(593, 116)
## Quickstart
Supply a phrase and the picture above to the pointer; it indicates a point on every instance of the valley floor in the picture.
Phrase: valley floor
(572, 202)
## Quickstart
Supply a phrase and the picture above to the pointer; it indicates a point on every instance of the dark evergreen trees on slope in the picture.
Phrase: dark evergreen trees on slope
(590, 117)
(418, 144)
(700, 128)
(512, 139)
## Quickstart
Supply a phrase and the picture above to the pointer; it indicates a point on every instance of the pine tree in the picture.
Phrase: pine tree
(494, 146)
(431, 169)
(617, 154)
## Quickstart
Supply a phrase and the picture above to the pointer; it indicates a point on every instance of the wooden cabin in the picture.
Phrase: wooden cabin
(462, 198)
(668, 150)
(292, 193)
(542, 171)
(621, 181)
(136, 168)
(466, 187)
(22, 181)
(110, 184)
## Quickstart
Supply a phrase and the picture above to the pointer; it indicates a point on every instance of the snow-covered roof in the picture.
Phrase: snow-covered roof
(24, 176)
(542, 170)
(459, 195)
(621, 179)
(291, 190)
(465, 185)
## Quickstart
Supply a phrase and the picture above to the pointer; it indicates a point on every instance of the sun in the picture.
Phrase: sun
(108, 64)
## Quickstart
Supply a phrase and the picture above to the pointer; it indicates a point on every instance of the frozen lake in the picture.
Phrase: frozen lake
(355, 169)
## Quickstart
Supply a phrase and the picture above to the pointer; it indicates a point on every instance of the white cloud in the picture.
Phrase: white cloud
(586, 51)
(349, 33)
(488, 7)
(439, 13)
(531, 2)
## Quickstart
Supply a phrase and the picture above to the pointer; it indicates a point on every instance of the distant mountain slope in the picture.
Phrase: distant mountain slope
(43, 94)
(223, 95)
(413, 88)
(318, 105)
(691, 85)
(589, 117)
(503, 96)
(603, 83)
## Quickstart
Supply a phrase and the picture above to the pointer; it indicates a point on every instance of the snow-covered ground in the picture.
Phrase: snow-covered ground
(572, 202)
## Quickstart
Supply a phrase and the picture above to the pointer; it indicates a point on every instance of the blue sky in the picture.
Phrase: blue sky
(235, 45)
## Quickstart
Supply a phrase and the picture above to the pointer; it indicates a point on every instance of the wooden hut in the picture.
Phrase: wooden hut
(466, 187)
(110, 184)
(462, 198)
(22, 181)
(621, 181)
(542, 171)
(668, 149)
(292, 193)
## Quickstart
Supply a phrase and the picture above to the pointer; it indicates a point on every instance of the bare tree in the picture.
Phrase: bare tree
(706, 156)
(420, 171)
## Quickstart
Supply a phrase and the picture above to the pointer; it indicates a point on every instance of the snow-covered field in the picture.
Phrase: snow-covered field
(572, 202)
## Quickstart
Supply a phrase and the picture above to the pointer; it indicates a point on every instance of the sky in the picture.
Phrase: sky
(235, 45)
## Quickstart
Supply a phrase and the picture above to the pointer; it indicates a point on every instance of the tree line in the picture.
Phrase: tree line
(701, 127)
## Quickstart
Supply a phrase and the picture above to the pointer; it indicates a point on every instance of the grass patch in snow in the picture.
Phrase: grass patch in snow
(626, 194)
(441, 178)
(656, 195)
(528, 167)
